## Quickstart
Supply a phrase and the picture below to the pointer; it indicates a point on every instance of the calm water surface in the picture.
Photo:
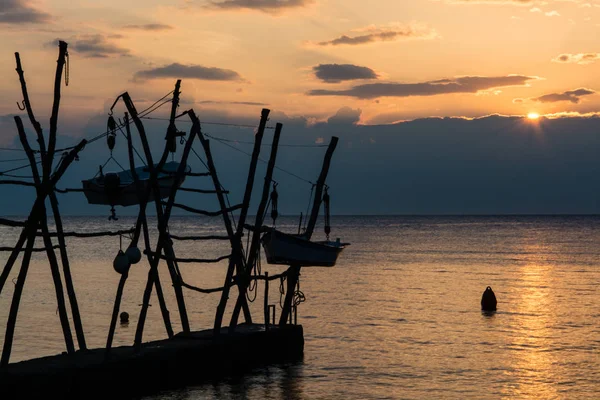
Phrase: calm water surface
(398, 317)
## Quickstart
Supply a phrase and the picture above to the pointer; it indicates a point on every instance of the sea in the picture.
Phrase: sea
(398, 317)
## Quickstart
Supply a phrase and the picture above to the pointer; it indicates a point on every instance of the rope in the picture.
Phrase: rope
(101, 135)
(67, 69)
(281, 290)
(253, 285)
(120, 127)
(327, 227)
(15, 159)
(298, 295)
(184, 140)
(17, 168)
(308, 206)
(214, 123)
(260, 159)
(265, 144)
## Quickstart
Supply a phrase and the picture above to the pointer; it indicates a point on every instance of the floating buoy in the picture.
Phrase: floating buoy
(121, 263)
(134, 254)
(124, 316)
(488, 300)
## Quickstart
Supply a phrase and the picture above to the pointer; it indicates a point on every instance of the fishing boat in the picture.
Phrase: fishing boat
(118, 188)
(286, 249)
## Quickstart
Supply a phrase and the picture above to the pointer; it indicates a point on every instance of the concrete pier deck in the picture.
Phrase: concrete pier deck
(163, 364)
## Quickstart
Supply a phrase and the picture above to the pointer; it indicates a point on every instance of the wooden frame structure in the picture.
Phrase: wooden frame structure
(240, 265)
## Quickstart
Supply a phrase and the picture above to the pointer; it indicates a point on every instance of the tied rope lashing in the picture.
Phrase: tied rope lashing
(326, 201)
(274, 201)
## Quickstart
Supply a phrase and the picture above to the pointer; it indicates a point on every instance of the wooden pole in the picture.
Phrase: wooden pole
(67, 273)
(115, 313)
(319, 188)
(62, 51)
(266, 301)
(162, 223)
(228, 227)
(14, 307)
(294, 270)
(237, 259)
(58, 287)
(43, 222)
(258, 222)
(142, 224)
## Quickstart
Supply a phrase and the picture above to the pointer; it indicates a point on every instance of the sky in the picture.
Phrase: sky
(436, 102)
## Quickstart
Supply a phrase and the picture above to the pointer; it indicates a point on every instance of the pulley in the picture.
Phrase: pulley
(111, 127)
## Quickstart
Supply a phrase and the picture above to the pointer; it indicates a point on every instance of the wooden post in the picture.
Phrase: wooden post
(115, 313)
(162, 223)
(258, 222)
(228, 227)
(67, 273)
(43, 222)
(237, 259)
(294, 270)
(266, 303)
(14, 307)
(292, 281)
(319, 188)
(45, 187)
(62, 51)
(60, 296)
(142, 224)
(153, 278)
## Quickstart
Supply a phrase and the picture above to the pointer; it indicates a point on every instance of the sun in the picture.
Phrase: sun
(533, 115)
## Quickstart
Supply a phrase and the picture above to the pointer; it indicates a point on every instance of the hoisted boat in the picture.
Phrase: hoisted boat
(286, 249)
(118, 188)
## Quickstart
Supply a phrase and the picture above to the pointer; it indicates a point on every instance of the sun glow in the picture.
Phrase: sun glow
(533, 115)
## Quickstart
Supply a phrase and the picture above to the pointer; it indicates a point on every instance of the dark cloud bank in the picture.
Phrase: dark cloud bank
(261, 5)
(492, 165)
(19, 11)
(334, 73)
(463, 84)
(177, 70)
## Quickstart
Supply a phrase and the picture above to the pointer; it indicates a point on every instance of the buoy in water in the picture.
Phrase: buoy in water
(121, 263)
(488, 300)
(134, 254)
(124, 316)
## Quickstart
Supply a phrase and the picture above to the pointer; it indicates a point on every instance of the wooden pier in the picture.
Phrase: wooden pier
(185, 359)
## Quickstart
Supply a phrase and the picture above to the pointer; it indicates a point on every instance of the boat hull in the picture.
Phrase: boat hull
(126, 194)
(284, 249)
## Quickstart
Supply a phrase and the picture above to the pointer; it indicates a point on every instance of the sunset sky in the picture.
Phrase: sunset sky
(395, 60)
(333, 67)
